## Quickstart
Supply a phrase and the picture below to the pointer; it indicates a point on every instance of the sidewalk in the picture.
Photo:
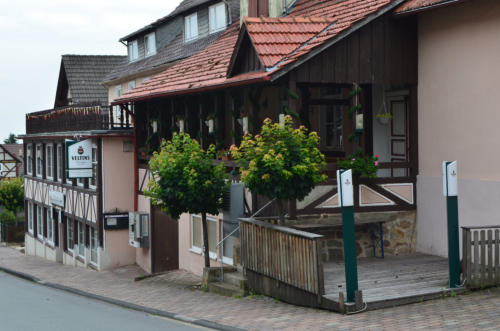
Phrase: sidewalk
(173, 293)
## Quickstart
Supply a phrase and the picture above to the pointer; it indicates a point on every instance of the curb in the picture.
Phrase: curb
(123, 304)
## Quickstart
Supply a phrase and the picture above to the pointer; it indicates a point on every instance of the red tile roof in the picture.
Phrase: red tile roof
(278, 42)
(417, 5)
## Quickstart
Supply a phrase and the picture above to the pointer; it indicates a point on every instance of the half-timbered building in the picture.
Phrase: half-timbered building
(65, 216)
(11, 161)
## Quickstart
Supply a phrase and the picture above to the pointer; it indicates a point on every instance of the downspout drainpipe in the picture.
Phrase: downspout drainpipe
(136, 169)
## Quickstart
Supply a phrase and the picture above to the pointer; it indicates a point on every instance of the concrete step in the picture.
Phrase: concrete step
(226, 289)
(236, 279)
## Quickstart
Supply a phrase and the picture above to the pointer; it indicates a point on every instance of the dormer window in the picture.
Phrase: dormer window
(150, 44)
(191, 27)
(133, 50)
(217, 17)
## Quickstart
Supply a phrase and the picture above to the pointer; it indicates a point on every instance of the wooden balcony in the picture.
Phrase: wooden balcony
(77, 119)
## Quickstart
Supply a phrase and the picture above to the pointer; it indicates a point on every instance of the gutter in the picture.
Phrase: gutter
(428, 7)
(226, 84)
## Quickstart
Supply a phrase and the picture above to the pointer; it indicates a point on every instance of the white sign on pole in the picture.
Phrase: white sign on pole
(79, 158)
(450, 179)
(345, 188)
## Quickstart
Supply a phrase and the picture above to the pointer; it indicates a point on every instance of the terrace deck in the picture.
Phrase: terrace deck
(392, 281)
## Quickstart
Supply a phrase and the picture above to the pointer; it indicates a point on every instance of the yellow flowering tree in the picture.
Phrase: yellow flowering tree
(281, 162)
(12, 195)
(186, 180)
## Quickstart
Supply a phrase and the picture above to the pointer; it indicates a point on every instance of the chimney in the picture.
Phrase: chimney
(266, 8)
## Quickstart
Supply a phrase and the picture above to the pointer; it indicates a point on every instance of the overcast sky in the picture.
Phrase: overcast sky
(34, 34)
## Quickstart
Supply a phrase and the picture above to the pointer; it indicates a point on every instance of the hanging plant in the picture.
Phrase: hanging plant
(383, 116)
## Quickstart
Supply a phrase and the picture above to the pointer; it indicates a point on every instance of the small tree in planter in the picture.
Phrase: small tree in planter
(12, 195)
(186, 180)
(281, 162)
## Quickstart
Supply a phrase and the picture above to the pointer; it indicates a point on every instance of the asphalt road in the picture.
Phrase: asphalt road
(26, 306)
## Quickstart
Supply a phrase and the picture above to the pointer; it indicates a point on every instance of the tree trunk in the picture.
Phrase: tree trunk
(206, 251)
(281, 211)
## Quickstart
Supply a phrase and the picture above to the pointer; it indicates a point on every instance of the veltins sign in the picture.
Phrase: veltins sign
(79, 158)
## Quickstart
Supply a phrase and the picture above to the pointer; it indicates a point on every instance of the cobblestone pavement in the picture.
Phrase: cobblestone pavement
(174, 292)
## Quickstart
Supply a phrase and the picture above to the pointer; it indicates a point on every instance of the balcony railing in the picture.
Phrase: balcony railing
(77, 119)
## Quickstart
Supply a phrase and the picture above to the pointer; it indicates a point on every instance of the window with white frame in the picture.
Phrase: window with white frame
(81, 239)
(30, 217)
(93, 180)
(93, 245)
(197, 235)
(70, 233)
(150, 44)
(50, 226)
(80, 182)
(133, 50)
(39, 222)
(217, 17)
(59, 162)
(29, 159)
(49, 161)
(191, 27)
(38, 161)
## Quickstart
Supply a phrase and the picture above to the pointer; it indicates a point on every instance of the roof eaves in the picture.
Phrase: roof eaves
(427, 7)
(330, 42)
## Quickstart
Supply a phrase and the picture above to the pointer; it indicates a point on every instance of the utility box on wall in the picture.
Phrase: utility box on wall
(138, 227)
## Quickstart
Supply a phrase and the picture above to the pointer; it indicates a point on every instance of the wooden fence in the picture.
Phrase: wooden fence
(284, 254)
(481, 256)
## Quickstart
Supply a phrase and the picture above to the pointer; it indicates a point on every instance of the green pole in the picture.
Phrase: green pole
(451, 191)
(453, 243)
(346, 199)
(351, 266)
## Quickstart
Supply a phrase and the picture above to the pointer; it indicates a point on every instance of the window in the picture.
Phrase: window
(39, 222)
(81, 239)
(191, 27)
(150, 44)
(80, 182)
(49, 161)
(118, 91)
(50, 226)
(59, 160)
(70, 235)
(29, 159)
(30, 217)
(197, 235)
(38, 163)
(331, 127)
(93, 245)
(133, 50)
(93, 180)
(217, 17)
(131, 85)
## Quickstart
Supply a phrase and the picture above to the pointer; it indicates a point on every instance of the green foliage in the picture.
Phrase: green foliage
(361, 165)
(185, 178)
(12, 194)
(7, 216)
(11, 139)
(281, 162)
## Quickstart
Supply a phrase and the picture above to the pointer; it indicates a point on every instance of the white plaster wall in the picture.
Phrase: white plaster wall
(117, 250)
(459, 112)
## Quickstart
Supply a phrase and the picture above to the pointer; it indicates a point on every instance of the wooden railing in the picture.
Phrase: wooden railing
(481, 256)
(76, 118)
(284, 254)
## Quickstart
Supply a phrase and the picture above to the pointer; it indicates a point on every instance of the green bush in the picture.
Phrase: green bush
(361, 165)
(7, 217)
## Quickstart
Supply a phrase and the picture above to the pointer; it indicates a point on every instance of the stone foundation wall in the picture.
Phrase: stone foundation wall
(399, 233)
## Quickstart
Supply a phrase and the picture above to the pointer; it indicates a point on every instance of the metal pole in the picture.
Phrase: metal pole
(450, 190)
(346, 199)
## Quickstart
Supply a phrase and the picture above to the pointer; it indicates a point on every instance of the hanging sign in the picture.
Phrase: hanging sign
(79, 159)
(56, 198)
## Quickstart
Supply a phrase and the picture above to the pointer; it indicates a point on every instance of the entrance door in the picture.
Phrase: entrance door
(400, 144)
(164, 241)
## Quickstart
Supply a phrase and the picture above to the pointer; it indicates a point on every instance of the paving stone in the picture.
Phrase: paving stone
(174, 292)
